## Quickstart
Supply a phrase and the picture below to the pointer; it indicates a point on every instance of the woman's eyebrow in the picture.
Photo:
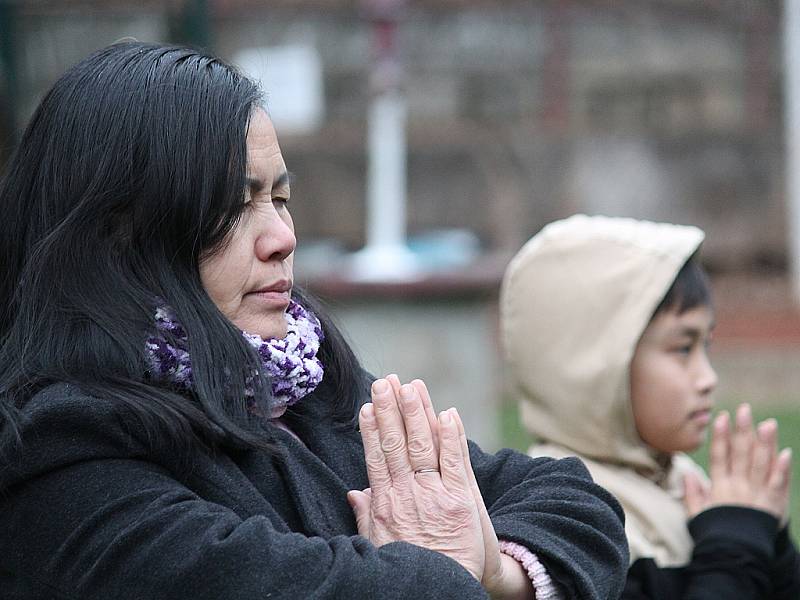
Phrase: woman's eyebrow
(256, 184)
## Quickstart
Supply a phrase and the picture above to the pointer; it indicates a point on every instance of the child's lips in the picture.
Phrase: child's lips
(701, 417)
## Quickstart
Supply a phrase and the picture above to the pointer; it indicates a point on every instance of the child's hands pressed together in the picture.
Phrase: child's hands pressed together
(745, 468)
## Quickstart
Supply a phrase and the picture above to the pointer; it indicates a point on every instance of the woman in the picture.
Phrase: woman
(167, 428)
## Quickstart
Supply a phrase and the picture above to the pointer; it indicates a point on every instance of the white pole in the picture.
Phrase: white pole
(386, 172)
(385, 255)
(791, 78)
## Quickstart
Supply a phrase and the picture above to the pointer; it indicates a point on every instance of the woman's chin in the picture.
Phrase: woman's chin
(268, 328)
(278, 331)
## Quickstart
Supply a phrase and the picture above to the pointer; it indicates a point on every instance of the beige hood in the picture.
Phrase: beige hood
(574, 302)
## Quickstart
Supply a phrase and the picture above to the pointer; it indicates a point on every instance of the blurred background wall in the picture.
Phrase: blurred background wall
(519, 112)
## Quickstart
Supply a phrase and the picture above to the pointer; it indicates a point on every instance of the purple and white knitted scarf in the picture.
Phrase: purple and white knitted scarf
(291, 362)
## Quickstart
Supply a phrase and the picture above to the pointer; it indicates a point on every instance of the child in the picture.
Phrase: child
(605, 324)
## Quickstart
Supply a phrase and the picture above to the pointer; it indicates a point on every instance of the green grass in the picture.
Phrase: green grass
(788, 417)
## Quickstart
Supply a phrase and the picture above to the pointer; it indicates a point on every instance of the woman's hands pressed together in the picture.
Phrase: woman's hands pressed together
(422, 487)
(745, 467)
(419, 490)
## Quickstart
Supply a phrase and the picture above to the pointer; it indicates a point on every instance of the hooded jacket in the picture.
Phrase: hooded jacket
(574, 303)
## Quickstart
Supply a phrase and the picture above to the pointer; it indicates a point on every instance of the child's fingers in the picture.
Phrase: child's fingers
(719, 449)
(778, 486)
(764, 452)
(781, 473)
(695, 497)
(742, 442)
(785, 461)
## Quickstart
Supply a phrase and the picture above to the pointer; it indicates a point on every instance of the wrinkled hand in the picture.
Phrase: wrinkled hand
(434, 508)
(503, 577)
(745, 468)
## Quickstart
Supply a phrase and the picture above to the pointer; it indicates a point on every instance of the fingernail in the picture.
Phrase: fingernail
(444, 417)
(767, 427)
(743, 413)
(406, 392)
(721, 421)
(367, 411)
(380, 386)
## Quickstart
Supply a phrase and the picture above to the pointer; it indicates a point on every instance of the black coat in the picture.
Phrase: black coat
(89, 510)
(738, 553)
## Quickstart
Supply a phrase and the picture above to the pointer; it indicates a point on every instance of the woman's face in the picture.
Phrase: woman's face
(250, 279)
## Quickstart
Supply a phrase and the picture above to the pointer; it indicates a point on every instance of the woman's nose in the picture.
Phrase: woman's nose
(276, 240)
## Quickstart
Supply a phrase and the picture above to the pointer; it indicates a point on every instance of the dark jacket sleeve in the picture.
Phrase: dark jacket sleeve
(553, 508)
(785, 569)
(737, 554)
(130, 530)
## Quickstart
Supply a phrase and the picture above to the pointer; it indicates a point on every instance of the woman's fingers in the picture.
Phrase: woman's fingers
(718, 454)
(391, 430)
(360, 502)
(419, 437)
(427, 404)
(422, 390)
(377, 471)
(394, 381)
(451, 459)
(492, 568)
(742, 443)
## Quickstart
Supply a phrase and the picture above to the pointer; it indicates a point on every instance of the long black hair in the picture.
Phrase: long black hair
(131, 170)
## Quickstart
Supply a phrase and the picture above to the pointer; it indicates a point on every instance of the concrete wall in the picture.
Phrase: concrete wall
(451, 344)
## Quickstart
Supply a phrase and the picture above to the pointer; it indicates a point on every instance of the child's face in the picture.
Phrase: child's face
(672, 380)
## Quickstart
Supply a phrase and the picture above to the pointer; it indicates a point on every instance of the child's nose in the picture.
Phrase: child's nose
(707, 377)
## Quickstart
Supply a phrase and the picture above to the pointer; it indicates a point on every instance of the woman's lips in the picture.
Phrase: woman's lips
(272, 297)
